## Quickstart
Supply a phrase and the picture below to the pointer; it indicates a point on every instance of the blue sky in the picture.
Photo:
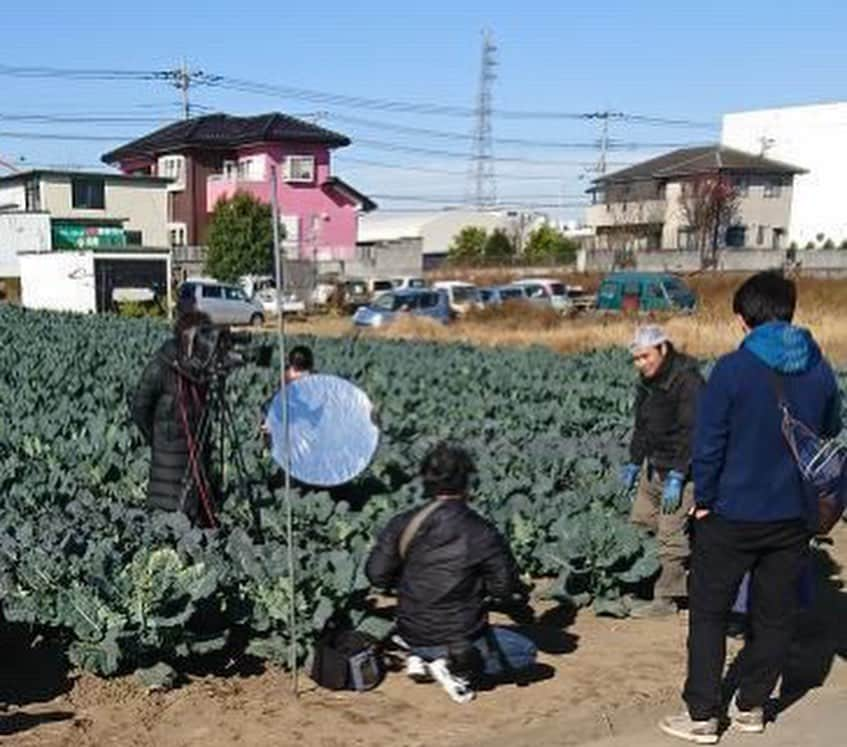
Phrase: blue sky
(654, 57)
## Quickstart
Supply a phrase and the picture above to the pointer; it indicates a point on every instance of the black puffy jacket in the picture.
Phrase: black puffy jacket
(155, 410)
(665, 415)
(455, 559)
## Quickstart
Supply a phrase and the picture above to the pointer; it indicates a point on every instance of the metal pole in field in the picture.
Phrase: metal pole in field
(281, 280)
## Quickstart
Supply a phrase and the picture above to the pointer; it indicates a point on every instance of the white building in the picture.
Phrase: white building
(435, 230)
(815, 139)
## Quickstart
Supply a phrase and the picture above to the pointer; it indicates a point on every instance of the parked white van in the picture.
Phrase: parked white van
(461, 296)
(546, 291)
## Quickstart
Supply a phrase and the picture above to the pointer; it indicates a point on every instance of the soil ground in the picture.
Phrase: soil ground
(605, 677)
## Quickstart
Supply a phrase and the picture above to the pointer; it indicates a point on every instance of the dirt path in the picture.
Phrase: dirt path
(608, 676)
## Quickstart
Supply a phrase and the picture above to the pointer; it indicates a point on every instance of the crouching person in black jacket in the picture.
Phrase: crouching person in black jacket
(444, 560)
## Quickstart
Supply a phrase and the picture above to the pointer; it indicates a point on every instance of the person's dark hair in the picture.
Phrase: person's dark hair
(447, 470)
(190, 319)
(301, 358)
(765, 297)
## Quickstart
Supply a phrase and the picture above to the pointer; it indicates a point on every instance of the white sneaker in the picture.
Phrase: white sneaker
(684, 727)
(458, 688)
(417, 669)
(748, 722)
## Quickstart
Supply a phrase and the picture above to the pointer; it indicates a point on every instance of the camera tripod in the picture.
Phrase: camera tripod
(215, 427)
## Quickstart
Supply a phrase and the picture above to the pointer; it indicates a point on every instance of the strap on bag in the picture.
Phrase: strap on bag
(414, 525)
(829, 507)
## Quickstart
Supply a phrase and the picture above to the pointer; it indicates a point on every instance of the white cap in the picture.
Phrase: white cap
(648, 336)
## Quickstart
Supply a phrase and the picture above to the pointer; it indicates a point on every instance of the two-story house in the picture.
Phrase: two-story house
(90, 209)
(212, 157)
(649, 205)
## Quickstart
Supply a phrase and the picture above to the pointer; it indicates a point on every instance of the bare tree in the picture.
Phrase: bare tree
(709, 204)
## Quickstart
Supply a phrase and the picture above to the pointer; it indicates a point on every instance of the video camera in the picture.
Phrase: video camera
(208, 351)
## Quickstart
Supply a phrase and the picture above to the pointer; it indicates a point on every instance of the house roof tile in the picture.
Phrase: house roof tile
(699, 160)
(224, 131)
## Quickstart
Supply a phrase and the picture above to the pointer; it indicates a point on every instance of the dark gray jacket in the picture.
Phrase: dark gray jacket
(454, 561)
(665, 415)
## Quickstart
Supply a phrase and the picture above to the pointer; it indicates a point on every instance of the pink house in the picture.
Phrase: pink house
(215, 156)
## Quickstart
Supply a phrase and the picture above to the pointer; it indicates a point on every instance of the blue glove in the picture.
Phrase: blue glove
(629, 475)
(672, 494)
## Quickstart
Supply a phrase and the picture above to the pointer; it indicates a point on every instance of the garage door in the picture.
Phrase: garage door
(111, 273)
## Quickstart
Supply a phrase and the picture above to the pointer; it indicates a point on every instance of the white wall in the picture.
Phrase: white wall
(813, 138)
(21, 232)
(58, 281)
(12, 196)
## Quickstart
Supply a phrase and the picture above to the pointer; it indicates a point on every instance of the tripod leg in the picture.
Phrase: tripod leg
(245, 491)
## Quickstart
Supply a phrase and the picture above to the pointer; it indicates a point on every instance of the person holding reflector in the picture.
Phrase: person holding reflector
(326, 435)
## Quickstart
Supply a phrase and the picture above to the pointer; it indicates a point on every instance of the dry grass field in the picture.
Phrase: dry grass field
(711, 331)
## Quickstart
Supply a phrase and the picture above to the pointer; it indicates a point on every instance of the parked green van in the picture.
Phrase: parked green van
(644, 291)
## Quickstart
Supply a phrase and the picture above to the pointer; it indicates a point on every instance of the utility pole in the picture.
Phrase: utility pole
(604, 117)
(482, 176)
(182, 78)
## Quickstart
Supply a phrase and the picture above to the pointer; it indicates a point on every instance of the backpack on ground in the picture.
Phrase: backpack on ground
(346, 659)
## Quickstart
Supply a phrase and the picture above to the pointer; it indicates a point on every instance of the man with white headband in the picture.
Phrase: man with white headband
(660, 459)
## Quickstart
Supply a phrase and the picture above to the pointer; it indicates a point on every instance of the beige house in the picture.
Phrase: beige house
(653, 205)
(91, 209)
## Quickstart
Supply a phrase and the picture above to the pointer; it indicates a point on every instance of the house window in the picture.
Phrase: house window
(736, 236)
(760, 236)
(88, 194)
(248, 169)
(32, 195)
(773, 188)
(777, 237)
(685, 238)
(177, 234)
(299, 169)
(133, 238)
(230, 169)
(742, 186)
(173, 168)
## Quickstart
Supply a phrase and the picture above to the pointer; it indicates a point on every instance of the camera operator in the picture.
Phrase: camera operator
(166, 408)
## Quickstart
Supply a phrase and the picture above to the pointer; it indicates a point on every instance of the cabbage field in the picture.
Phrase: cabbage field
(82, 559)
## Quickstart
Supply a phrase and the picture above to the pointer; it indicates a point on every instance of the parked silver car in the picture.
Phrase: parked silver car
(225, 304)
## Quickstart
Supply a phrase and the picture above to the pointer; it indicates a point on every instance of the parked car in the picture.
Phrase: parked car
(644, 291)
(377, 287)
(225, 304)
(497, 294)
(461, 296)
(290, 303)
(392, 304)
(580, 299)
(408, 282)
(546, 291)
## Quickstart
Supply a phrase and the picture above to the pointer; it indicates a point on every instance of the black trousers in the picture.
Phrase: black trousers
(723, 552)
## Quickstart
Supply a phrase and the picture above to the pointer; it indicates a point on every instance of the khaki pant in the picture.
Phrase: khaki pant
(669, 529)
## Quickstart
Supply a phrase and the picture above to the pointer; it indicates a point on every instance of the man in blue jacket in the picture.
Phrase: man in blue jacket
(752, 509)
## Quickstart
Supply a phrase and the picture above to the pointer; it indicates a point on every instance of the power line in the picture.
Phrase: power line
(524, 142)
(344, 158)
(442, 153)
(324, 97)
(501, 198)
(63, 136)
(79, 119)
